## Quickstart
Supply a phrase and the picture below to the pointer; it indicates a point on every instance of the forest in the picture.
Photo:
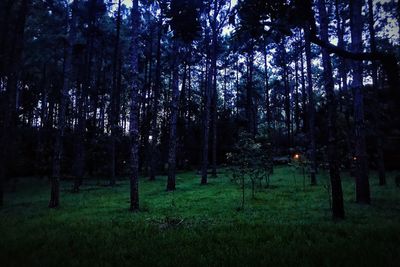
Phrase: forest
(199, 132)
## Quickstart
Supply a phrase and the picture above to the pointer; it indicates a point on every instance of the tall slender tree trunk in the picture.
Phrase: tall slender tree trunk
(346, 102)
(115, 92)
(311, 108)
(334, 173)
(80, 151)
(58, 147)
(5, 106)
(157, 88)
(286, 92)
(134, 109)
(266, 84)
(379, 137)
(206, 124)
(214, 97)
(362, 183)
(173, 121)
(296, 94)
(250, 109)
(303, 93)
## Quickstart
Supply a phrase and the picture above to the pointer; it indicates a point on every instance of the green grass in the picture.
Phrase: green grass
(200, 225)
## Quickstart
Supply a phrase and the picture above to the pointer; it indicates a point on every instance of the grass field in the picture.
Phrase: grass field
(286, 224)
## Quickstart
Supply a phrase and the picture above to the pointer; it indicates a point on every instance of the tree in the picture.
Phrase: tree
(134, 108)
(336, 186)
(115, 96)
(362, 183)
(374, 74)
(311, 107)
(10, 69)
(186, 27)
(67, 78)
(157, 88)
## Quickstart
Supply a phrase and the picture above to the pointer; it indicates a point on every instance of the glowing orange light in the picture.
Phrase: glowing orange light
(296, 156)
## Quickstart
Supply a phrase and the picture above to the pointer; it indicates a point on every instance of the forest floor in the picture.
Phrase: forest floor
(286, 224)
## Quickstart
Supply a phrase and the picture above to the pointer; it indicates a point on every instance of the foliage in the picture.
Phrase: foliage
(251, 161)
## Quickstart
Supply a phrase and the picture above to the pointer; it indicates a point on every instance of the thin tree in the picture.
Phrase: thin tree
(334, 174)
(67, 79)
(115, 95)
(374, 74)
(311, 107)
(171, 181)
(362, 183)
(157, 88)
(134, 108)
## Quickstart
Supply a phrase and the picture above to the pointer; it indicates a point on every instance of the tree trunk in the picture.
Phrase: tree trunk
(362, 183)
(173, 121)
(206, 123)
(286, 92)
(250, 112)
(334, 173)
(296, 95)
(157, 88)
(114, 118)
(58, 147)
(343, 77)
(303, 93)
(267, 102)
(214, 98)
(311, 108)
(379, 137)
(134, 109)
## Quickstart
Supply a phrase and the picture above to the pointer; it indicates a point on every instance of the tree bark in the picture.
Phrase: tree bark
(214, 98)
(311, 109)
(374, 74)
(11, 69)
(134, 109)
(173, 121)
(206, 124)
(157, 88)
(334, 173)
(267, 101)
(58, 147)
(362, 183)
(115, 93)
(286, 92)
(303, 92)
(296, 95)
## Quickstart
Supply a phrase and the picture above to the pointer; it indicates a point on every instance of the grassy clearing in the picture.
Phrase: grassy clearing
(200, 225)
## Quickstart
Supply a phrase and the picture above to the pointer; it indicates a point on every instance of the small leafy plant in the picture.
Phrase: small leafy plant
(251, 162)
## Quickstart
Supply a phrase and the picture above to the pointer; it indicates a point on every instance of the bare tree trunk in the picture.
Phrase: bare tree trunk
(267, 101)
(206, 116)
(303, 93)
(296, 95)
(362, 183)
(134, 109)
(334, 173)
(58, 147)
(214, 98)
(155, 107)
(114, 118)
(287, 91)
(206, 125)
(250, 110)
(343, 77)
(311, 108)
(173, 121)
(379, 137)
